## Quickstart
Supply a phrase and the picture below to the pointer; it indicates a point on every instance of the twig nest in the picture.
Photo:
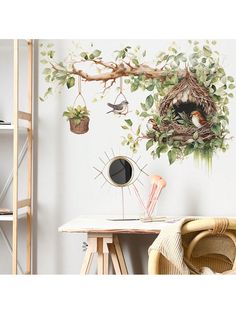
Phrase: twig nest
(188, 91)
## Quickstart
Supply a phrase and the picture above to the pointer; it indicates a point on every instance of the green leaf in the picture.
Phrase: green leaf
(47, 71)
(149, 102)
(231, 86)
(230, 79)
(48, 78)
(91, 56)
(129, 122)
(43, 61)
(163, 148)
(150, 87)
(138, 130)
(144, 53)
(231, 95)
(149, 144)
(143, 106)
(48, 92)
(51, 54)
(207, 51)
(134, 87)
(70, 82)
(220, 91)
(96, 53)
(188, 150)
(144, 114)
(84, 55)
(124, 127)
(135, 61)
(172, 155)
(216, 128)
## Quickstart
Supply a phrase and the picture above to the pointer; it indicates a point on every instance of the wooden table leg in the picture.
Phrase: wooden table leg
(120, 255)
(92, 248)
(114, 259)
(104, 244)
(100, 257)
(86, 263)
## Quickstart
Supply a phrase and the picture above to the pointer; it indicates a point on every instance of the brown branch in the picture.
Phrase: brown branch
(107, 87)
(118, 70)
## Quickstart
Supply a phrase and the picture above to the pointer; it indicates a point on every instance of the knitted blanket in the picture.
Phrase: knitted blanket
(171, 244)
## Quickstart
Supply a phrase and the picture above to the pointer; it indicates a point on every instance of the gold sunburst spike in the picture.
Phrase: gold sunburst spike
(141, 169)
(138, 159)
(99, 173)
(113, 152)
(107, 156)
(102, 161)
(129, 190)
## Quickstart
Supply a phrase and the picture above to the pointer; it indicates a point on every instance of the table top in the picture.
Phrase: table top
(110, 224)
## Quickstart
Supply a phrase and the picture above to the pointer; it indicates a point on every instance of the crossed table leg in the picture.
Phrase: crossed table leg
(104, 244)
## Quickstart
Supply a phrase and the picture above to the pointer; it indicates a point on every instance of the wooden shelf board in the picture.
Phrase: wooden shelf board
(6, 127)
(11, 128)
(9, 217)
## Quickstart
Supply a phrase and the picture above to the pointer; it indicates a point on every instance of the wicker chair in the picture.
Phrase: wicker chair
(207, 243)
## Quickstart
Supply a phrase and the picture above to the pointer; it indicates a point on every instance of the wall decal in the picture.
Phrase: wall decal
(186, 111)
(122, 107)
(78, 115)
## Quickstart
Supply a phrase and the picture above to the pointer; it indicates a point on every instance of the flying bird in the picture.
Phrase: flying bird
(198, 119)
(120, 109)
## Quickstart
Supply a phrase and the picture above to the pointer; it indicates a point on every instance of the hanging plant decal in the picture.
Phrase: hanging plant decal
(78, 115)
(186, 111)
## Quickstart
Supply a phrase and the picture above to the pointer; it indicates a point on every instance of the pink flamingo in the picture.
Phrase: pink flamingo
(158, 183)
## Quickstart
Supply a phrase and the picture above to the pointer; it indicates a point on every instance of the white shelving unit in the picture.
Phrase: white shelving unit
(22, 212)
(6, 127)
(21, 208)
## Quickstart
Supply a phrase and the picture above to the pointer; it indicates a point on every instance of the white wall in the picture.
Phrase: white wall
(65, 184)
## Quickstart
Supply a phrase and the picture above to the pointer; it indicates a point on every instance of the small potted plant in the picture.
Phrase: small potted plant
(79, 119)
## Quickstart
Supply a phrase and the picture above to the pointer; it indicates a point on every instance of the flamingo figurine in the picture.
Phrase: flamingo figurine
(158, 183)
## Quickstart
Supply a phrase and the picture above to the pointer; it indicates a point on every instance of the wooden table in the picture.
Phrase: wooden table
(103, 240)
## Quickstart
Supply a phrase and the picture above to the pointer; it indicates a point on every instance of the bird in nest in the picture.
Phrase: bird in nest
(121, 108)
(198, 119)
(152, 125)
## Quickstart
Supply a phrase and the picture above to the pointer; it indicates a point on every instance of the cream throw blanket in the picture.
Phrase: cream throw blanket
(170, 244)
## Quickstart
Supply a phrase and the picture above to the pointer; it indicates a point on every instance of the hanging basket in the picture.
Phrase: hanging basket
(80, 128)
(83, 126)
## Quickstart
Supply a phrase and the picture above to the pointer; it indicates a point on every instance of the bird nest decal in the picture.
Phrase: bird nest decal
(187, 112)
(186, 107)
(190, 102)
(188, 92)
